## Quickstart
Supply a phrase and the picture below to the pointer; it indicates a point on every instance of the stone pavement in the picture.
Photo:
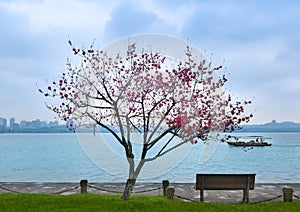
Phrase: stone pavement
(262, 192)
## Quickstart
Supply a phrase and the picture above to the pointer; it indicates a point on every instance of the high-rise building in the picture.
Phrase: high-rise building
(3, 123)
(12, 122)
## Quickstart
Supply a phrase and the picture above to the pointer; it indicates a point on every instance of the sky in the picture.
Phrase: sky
(257, 41)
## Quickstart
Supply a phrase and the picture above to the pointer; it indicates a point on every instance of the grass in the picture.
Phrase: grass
(93, 202)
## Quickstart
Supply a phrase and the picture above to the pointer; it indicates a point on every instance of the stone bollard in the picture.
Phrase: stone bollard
(287, 194)
(83, 186)
(170, 192)
(165, 186)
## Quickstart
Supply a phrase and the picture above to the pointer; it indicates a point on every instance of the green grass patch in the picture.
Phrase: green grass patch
(94, 202)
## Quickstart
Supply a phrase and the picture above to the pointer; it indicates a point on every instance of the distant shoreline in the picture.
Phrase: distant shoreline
(246, 130)
(272, 127)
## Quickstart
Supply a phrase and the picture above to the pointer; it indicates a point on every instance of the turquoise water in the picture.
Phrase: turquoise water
(59, 158)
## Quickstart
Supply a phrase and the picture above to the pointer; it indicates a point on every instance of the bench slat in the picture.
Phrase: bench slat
(224, 181)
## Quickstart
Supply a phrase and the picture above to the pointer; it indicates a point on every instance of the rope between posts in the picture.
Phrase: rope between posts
(101, 189)
(153, 189)
(58, 192)
(267, 200)
(180, 197)
(296, 196)
(66, 190)
(6, 189)
(112, 191)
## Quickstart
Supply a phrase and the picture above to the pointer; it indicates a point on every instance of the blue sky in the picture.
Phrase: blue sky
(259, 41)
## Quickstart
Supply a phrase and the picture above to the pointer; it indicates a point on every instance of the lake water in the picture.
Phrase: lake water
(60, 158)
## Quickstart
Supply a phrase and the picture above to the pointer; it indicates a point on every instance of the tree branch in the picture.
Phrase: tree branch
(165, 152)
(109, 129)
(161, 120)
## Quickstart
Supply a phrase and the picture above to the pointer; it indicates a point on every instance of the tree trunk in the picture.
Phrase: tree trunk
(133, 174)
(128, 189)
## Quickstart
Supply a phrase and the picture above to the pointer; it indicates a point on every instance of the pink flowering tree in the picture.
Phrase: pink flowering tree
(145, 93)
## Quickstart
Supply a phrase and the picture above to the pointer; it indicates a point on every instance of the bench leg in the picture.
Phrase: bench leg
(246, 195)
(246, 191)
(201, 195)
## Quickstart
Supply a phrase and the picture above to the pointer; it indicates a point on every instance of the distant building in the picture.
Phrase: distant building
(12, 122)
(3, 123)
(53, 123)
(38, 124)
(24, 124)
(34, 126)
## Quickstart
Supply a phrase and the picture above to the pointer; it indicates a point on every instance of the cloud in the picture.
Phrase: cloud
(241, 21)
(261, 62)
(174, 13)
(40, 29)
(258, 41)
(128, 19)
(70, 14)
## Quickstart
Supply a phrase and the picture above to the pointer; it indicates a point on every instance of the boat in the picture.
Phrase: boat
(252, 141)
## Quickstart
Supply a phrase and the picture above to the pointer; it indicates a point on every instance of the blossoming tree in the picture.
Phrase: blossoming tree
(148, 93)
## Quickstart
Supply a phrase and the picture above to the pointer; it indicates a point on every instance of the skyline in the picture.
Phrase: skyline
(15, 120)
(257, 41)
(37, 125)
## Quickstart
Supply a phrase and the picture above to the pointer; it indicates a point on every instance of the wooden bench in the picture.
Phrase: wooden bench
(243, 182)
